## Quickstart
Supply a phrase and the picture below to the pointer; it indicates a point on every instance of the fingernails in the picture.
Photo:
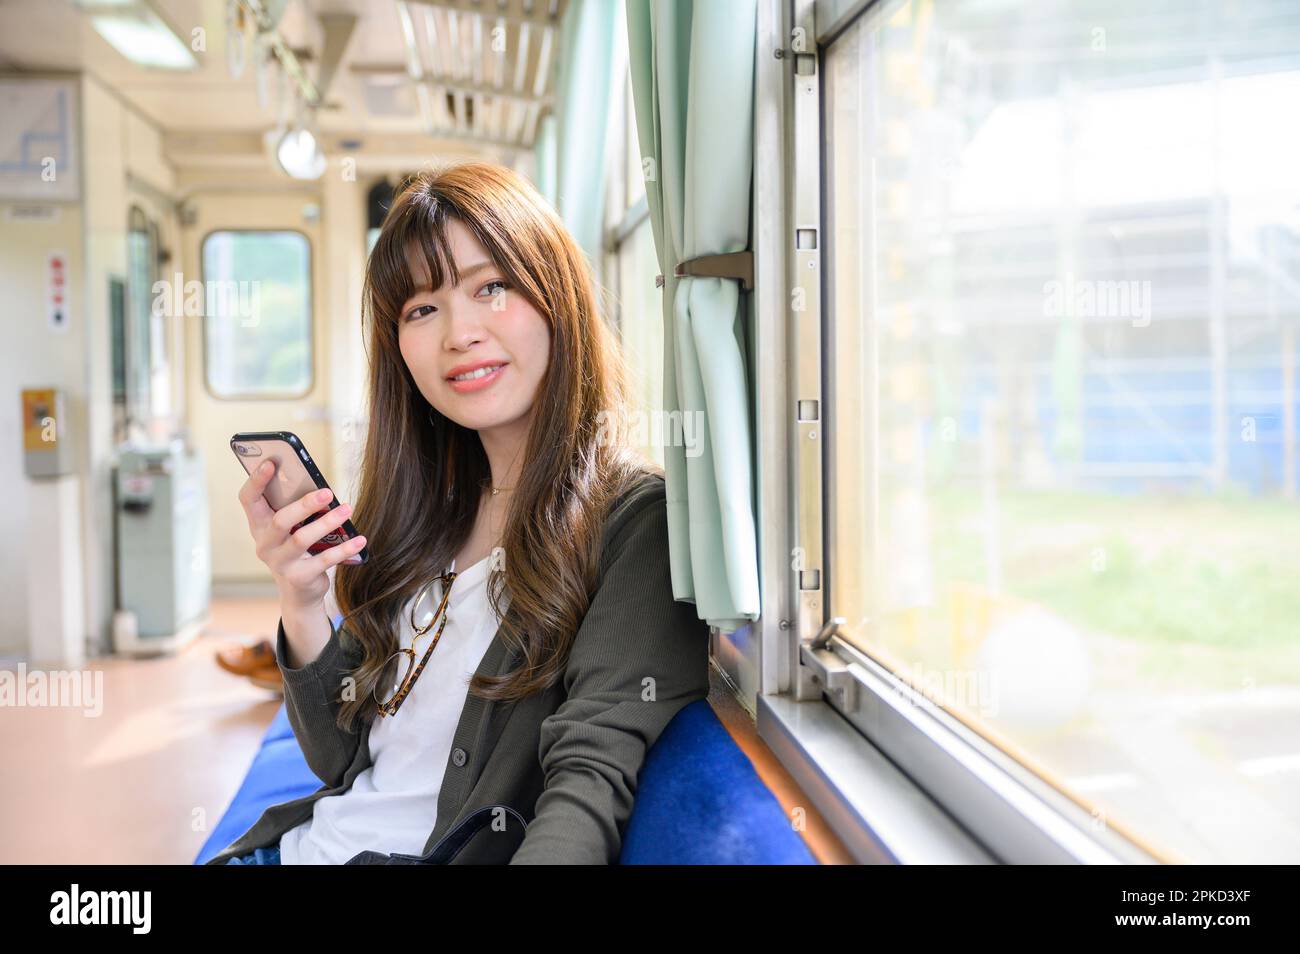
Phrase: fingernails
(266, 466)
(322, 495)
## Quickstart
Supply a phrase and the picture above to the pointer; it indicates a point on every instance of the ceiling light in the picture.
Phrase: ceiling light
(134, 29)
(300, 155)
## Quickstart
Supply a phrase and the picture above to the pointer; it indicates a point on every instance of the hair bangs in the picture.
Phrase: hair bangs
(418, 232)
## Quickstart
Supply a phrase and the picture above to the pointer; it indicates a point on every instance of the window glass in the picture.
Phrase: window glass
(642, 335)
(256, 301)
(635, 165)
(1064, 290)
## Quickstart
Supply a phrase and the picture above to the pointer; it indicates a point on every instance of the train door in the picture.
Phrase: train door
(256, 358)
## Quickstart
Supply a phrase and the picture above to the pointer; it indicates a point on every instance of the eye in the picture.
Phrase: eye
(495, 281)
(418, 312)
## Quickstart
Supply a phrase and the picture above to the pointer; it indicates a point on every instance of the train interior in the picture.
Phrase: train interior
(965, 331)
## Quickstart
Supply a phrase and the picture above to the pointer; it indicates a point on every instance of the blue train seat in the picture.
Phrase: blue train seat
(699, 800)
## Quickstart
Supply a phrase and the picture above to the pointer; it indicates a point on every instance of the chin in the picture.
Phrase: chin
(484, 419)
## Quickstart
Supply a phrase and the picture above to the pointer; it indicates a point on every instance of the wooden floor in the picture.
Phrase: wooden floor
(144, 781)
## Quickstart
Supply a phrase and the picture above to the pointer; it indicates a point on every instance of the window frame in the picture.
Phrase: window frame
(311, 319)
(899, 778)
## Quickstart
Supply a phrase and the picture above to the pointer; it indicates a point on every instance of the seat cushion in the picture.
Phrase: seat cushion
(279, 773)
(699, 800)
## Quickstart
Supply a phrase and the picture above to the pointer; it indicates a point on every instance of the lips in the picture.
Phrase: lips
(479, 380)
(472, 366)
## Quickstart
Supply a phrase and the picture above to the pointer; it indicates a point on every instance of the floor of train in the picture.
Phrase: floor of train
(146, 779)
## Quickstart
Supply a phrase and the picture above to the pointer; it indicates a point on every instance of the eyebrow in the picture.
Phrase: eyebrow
(465, 273)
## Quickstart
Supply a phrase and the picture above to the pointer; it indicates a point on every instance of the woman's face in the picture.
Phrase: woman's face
(482, 323)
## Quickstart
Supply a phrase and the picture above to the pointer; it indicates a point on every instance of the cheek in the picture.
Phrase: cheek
(542, 342)
(529, 336)
(541, 350)
(404, 345)
(414, 353)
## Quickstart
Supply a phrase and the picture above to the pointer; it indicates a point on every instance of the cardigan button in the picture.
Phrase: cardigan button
(458, 757)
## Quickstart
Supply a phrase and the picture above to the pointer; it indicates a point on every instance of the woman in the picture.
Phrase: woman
(495, 474)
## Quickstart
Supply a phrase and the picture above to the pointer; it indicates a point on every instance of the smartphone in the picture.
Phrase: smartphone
(295, 476)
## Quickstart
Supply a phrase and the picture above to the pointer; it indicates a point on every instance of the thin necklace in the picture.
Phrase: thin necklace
(498, 490)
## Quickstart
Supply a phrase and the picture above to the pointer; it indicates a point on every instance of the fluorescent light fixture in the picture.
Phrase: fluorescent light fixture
(300, 155)
(134, 29)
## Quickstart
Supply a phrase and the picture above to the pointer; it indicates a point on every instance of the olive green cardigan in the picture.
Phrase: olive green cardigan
(567, 758)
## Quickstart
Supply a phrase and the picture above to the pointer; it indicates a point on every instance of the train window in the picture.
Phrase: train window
(1063, 299)
(634, 170)
(632, 264)
(257, 314)
(641, 333)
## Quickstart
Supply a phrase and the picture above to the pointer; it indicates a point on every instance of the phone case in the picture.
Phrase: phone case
(296, 474)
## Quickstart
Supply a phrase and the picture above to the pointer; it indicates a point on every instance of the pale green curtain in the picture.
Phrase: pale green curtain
(692, 66)
(582, 98)
(544, 154)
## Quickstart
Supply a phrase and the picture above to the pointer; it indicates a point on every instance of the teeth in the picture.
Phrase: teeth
(480, 373)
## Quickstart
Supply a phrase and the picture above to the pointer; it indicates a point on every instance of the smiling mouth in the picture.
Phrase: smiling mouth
(479, 373)
(480, 379)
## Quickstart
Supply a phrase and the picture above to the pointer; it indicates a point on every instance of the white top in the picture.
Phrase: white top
(392, 806)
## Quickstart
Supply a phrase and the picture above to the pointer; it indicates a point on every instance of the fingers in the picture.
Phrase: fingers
(284, 550)
(287, 555)
(321, 562)
(256, 509)
(310, 533)
(295, 513)
(278, 546)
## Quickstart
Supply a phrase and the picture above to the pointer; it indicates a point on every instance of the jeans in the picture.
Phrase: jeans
(259, 856)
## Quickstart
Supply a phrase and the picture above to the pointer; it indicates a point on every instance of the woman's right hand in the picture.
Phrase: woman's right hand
(302, 578)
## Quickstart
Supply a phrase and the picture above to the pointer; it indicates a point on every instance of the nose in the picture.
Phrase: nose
(463, 330)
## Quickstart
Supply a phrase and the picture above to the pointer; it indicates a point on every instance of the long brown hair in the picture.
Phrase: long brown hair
(422, 474)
